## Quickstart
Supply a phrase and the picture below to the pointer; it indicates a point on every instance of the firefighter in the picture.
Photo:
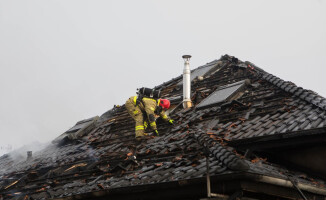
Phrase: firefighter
(143, 109)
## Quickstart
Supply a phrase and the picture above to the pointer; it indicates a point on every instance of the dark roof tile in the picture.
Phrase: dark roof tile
(275, 116)
(293, 125)
(290, 88)
(268, 131)
(277, 81)
(323, 101)
(260, 132)
(290, 120)
(272, 78)
(283, 86)
(298, 91)
(282, 128)
(257, 125)
(248, 134)
(265, 118)
(268, 124)
(313, 116)
(316, 123)
(268, 76)
(305, 124)
(280, 83)
(237, 128)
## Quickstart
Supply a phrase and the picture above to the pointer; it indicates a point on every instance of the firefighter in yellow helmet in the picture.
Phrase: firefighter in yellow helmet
(144, 109)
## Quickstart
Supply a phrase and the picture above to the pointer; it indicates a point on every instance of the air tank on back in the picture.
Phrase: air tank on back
(151, 93)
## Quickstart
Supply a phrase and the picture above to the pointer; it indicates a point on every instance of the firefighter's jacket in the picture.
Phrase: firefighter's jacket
(151, 108)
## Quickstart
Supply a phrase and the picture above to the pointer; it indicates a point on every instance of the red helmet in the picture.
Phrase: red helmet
(165, 103)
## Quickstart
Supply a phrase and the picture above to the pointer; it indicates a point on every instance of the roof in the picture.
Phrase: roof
(107, 160)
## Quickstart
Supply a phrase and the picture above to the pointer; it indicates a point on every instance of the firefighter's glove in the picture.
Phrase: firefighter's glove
(156, 133)
(171, 121)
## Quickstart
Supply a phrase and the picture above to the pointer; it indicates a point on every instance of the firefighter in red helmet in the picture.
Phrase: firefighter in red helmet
(144, 109)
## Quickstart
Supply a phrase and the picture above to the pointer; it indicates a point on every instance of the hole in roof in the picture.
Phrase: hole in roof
(221, 94)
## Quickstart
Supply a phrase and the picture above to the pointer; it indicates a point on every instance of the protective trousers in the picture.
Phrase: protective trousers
(137, 115)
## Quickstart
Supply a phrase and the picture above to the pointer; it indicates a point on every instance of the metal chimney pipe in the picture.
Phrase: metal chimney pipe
(29, 155)
(186, 83)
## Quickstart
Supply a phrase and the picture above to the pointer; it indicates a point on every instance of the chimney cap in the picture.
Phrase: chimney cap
(186, 56)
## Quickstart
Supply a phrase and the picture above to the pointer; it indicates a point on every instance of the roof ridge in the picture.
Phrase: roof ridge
(304, 94)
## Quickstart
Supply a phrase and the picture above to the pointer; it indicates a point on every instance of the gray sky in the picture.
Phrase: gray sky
(66, 60)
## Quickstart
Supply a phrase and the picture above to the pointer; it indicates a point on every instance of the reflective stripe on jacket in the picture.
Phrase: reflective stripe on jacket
(149, 106)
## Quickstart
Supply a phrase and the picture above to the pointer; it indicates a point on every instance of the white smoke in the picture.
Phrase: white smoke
(11, 159)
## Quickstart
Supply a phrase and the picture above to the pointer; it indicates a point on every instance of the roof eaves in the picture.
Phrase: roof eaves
(138, 190)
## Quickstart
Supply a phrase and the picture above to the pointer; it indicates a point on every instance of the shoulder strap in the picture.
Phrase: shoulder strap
(138, 99)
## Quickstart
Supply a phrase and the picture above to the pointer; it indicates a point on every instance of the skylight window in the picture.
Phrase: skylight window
(201, 71)
(221, 94)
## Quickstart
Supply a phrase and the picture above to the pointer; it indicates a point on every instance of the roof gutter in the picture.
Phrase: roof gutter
(289, 184)
(274, 181)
